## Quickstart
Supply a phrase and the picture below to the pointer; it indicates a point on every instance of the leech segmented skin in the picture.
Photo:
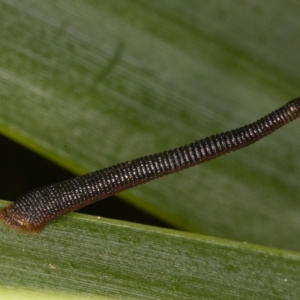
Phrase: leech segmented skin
(34, 210)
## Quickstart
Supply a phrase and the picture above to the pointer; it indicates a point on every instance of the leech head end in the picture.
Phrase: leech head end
(13, 220)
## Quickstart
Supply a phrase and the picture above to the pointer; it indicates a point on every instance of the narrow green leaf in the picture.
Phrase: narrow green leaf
(92, 83)
(82, 257)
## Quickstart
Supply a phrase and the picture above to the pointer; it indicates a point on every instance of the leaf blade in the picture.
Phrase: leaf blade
(80, 255)
(88, 99)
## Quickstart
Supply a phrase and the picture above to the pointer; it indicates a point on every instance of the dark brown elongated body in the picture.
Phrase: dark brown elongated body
(33, 210)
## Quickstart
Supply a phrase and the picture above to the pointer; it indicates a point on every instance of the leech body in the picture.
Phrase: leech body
(34, 210)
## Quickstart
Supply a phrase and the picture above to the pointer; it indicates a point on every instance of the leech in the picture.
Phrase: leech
(34, 210)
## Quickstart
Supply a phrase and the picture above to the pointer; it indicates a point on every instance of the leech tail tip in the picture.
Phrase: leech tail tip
(12, 220)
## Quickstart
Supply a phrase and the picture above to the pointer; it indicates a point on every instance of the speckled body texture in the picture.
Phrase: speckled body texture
(33, 210)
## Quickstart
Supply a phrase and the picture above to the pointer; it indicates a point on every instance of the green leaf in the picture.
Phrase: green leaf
(92, 83)
(82, 257)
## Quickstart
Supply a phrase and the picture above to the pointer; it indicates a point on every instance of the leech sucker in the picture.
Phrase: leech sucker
(32, 211)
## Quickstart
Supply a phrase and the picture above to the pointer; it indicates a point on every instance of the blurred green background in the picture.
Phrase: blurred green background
(94, 83)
